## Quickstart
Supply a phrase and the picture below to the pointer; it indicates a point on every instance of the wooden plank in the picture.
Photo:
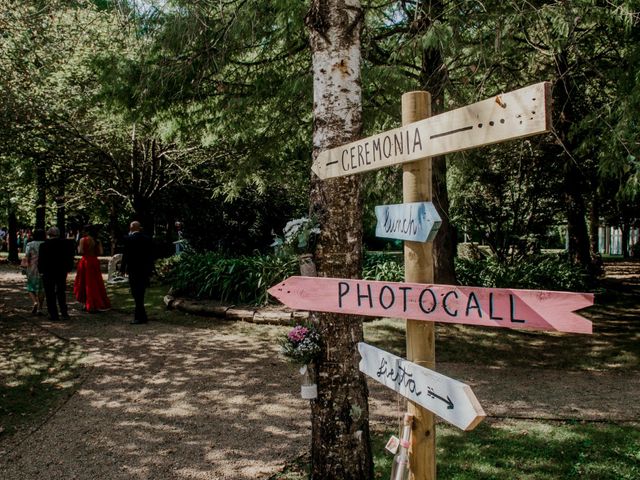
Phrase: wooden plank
(417, 221)
(517, 114)
(491, 307)
(451, 400)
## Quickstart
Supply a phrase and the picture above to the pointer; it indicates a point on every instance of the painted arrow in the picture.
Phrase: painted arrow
(454, 402)
(511, 115)
(447, 400)
(418, 221)
(492, 307)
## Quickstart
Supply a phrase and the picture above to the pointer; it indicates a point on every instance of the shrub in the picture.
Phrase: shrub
(165, 267)
(548, 272)
(240, 280)
(381, 266)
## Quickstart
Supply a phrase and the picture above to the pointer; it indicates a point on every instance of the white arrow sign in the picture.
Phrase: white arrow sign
(450, 399)
(418, 222)
(511, 115)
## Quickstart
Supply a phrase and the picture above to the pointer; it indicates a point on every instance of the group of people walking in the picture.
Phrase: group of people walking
(47, 262)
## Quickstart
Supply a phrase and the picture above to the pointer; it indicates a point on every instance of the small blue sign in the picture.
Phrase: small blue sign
(417, 222)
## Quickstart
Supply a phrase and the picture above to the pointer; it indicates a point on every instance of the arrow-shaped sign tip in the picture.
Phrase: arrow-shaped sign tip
(276, 290)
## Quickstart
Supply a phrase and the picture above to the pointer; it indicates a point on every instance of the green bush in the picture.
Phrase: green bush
(239, 280)
(246, 279)
(381, 266)
(548, 272)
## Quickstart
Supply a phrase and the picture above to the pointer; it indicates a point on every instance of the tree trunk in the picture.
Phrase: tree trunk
(114, 233)
(41, 195)
(12, 236)
(433, 78)
(61, 210)
(142, 213)
(340, 415)
(624, 241)
(576, 213)
(594, 226)
(575, 181)
(445, 243)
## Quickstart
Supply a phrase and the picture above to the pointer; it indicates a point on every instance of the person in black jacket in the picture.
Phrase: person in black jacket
(54, 263)
(137, 263)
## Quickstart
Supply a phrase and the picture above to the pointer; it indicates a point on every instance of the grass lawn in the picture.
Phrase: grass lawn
(519, 450)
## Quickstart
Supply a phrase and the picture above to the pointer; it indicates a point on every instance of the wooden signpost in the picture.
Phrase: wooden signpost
(517, 114)
(490, 307)
(450, 399)
(418, 221)
(512, 115)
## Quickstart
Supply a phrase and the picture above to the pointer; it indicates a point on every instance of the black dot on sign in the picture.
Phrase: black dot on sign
(479, 125)
(502, 120)
(520, 122)
(534, 112)
(491, 123)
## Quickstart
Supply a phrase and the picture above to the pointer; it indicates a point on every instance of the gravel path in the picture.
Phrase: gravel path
(169, 401)
(164, 401)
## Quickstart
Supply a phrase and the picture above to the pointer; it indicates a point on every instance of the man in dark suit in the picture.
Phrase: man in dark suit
(55, 261)
(137, 262)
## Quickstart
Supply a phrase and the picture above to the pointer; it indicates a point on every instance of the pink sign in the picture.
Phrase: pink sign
(491, 307)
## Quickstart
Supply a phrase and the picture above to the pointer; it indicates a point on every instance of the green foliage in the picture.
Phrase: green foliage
(243, 279)
(166, 267)
(548, 272)
(383, 266)
(507, 196)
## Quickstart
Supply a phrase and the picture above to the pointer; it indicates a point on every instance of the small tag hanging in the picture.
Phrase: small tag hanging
(393, 444)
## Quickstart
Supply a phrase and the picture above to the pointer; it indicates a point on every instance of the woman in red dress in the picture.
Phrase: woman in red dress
(89, 287)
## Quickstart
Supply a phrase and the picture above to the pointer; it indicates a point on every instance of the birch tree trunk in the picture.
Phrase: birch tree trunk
(340, 415)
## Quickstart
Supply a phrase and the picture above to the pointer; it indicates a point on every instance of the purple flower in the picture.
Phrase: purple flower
(298, 333)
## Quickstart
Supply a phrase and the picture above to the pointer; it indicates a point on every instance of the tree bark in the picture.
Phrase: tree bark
(12, 236)
(340, 416)
(142, 212)
(594, 226)
(578, 234)
(41, 195)
(575, 181)
(624, 241)
(61, 210)
(433, 79)
(114, 233)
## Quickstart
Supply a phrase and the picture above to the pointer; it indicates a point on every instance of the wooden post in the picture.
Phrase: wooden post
(418, 261)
